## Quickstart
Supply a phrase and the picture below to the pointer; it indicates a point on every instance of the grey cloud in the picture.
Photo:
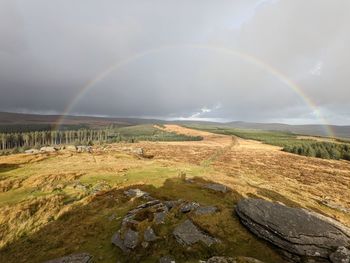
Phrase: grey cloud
(49, 50)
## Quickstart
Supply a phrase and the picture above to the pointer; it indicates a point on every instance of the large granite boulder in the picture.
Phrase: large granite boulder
(301, 234)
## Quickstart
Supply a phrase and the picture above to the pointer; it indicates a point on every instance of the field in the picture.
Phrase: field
(312, 146)
(53, 204)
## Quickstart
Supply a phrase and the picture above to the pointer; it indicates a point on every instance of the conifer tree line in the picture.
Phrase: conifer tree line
(324, 150)
(55, 137)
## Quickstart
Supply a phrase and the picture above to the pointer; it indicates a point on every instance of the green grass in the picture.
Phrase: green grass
(148, 132)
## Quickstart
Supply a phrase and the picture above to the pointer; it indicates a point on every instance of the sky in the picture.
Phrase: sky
(248, 60)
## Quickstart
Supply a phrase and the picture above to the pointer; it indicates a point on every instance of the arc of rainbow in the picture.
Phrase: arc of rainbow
(242, 55)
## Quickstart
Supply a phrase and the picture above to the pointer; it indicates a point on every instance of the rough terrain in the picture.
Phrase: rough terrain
(60, 203)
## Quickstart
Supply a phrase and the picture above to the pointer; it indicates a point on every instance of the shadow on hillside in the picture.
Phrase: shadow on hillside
(89, 228)
(5, 167)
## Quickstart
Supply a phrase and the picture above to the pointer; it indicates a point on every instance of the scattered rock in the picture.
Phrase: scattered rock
(131, 239)
(48, 149)
(159, 217)
(135, 193)
(171, 204)
(187, 234)
(335, 206)
(117, 241)
(341, 255)
(74, 258)
(185, 208)
(297, 232)
(32, 151)
(216, 187)
(71, 148)
(233, 260)
(149, 235)
(138, 151)
(167, 259)
(82, 149)
(221, 260)
(205, 210)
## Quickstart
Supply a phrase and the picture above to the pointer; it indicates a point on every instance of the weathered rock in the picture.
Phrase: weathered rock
(216, 187)
(32, 151)
(131, 239)
(187, 234)
(341, 255)
(185, 208)
(74, 258)
(205, 210)
(171, 204)
(83, 148)
(149, 235)
(296, 231)
(117, 241)
(167, 259)
(135, 193)
(71, 148)
(48, 149)
(221, 260)
(233, 260)
(159, 217)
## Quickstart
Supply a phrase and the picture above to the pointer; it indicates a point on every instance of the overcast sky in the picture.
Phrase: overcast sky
(172, 58)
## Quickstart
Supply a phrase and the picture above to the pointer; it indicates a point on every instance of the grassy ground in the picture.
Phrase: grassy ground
(55, 204)
(325, 148)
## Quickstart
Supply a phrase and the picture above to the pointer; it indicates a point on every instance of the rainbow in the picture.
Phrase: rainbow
(244, 56)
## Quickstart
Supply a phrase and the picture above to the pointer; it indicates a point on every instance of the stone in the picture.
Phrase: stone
(167, 259)
(71, 148)
(205, 210)
(221, 260)
(32, 151)
(159, 217)
(216, 187)
(188, 234)
(135, 193)
(48, 149)
(117, 241)
(341, 255)
(73, 258)
(149, 235)
(83, 148)
(172, 204)
(189, 207)
(131, 239)
(295, 231)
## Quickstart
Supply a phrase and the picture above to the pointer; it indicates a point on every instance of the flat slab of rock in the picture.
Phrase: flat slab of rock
(216, 187)
(299, 232)
(188, 234)
(135, 193)
(205, 210)
(73, 258)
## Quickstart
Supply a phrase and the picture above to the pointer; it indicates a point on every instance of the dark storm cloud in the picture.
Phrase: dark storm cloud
(49, 50)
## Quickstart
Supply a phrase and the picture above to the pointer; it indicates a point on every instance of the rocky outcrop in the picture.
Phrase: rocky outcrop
(74, 258)
(140, 225)
(300, 234)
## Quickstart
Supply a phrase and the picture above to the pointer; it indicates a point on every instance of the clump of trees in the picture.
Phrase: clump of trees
(324, 150)
(19, 141)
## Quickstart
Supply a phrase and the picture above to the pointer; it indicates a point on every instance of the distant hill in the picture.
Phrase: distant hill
(307, 129)
(15, 120)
